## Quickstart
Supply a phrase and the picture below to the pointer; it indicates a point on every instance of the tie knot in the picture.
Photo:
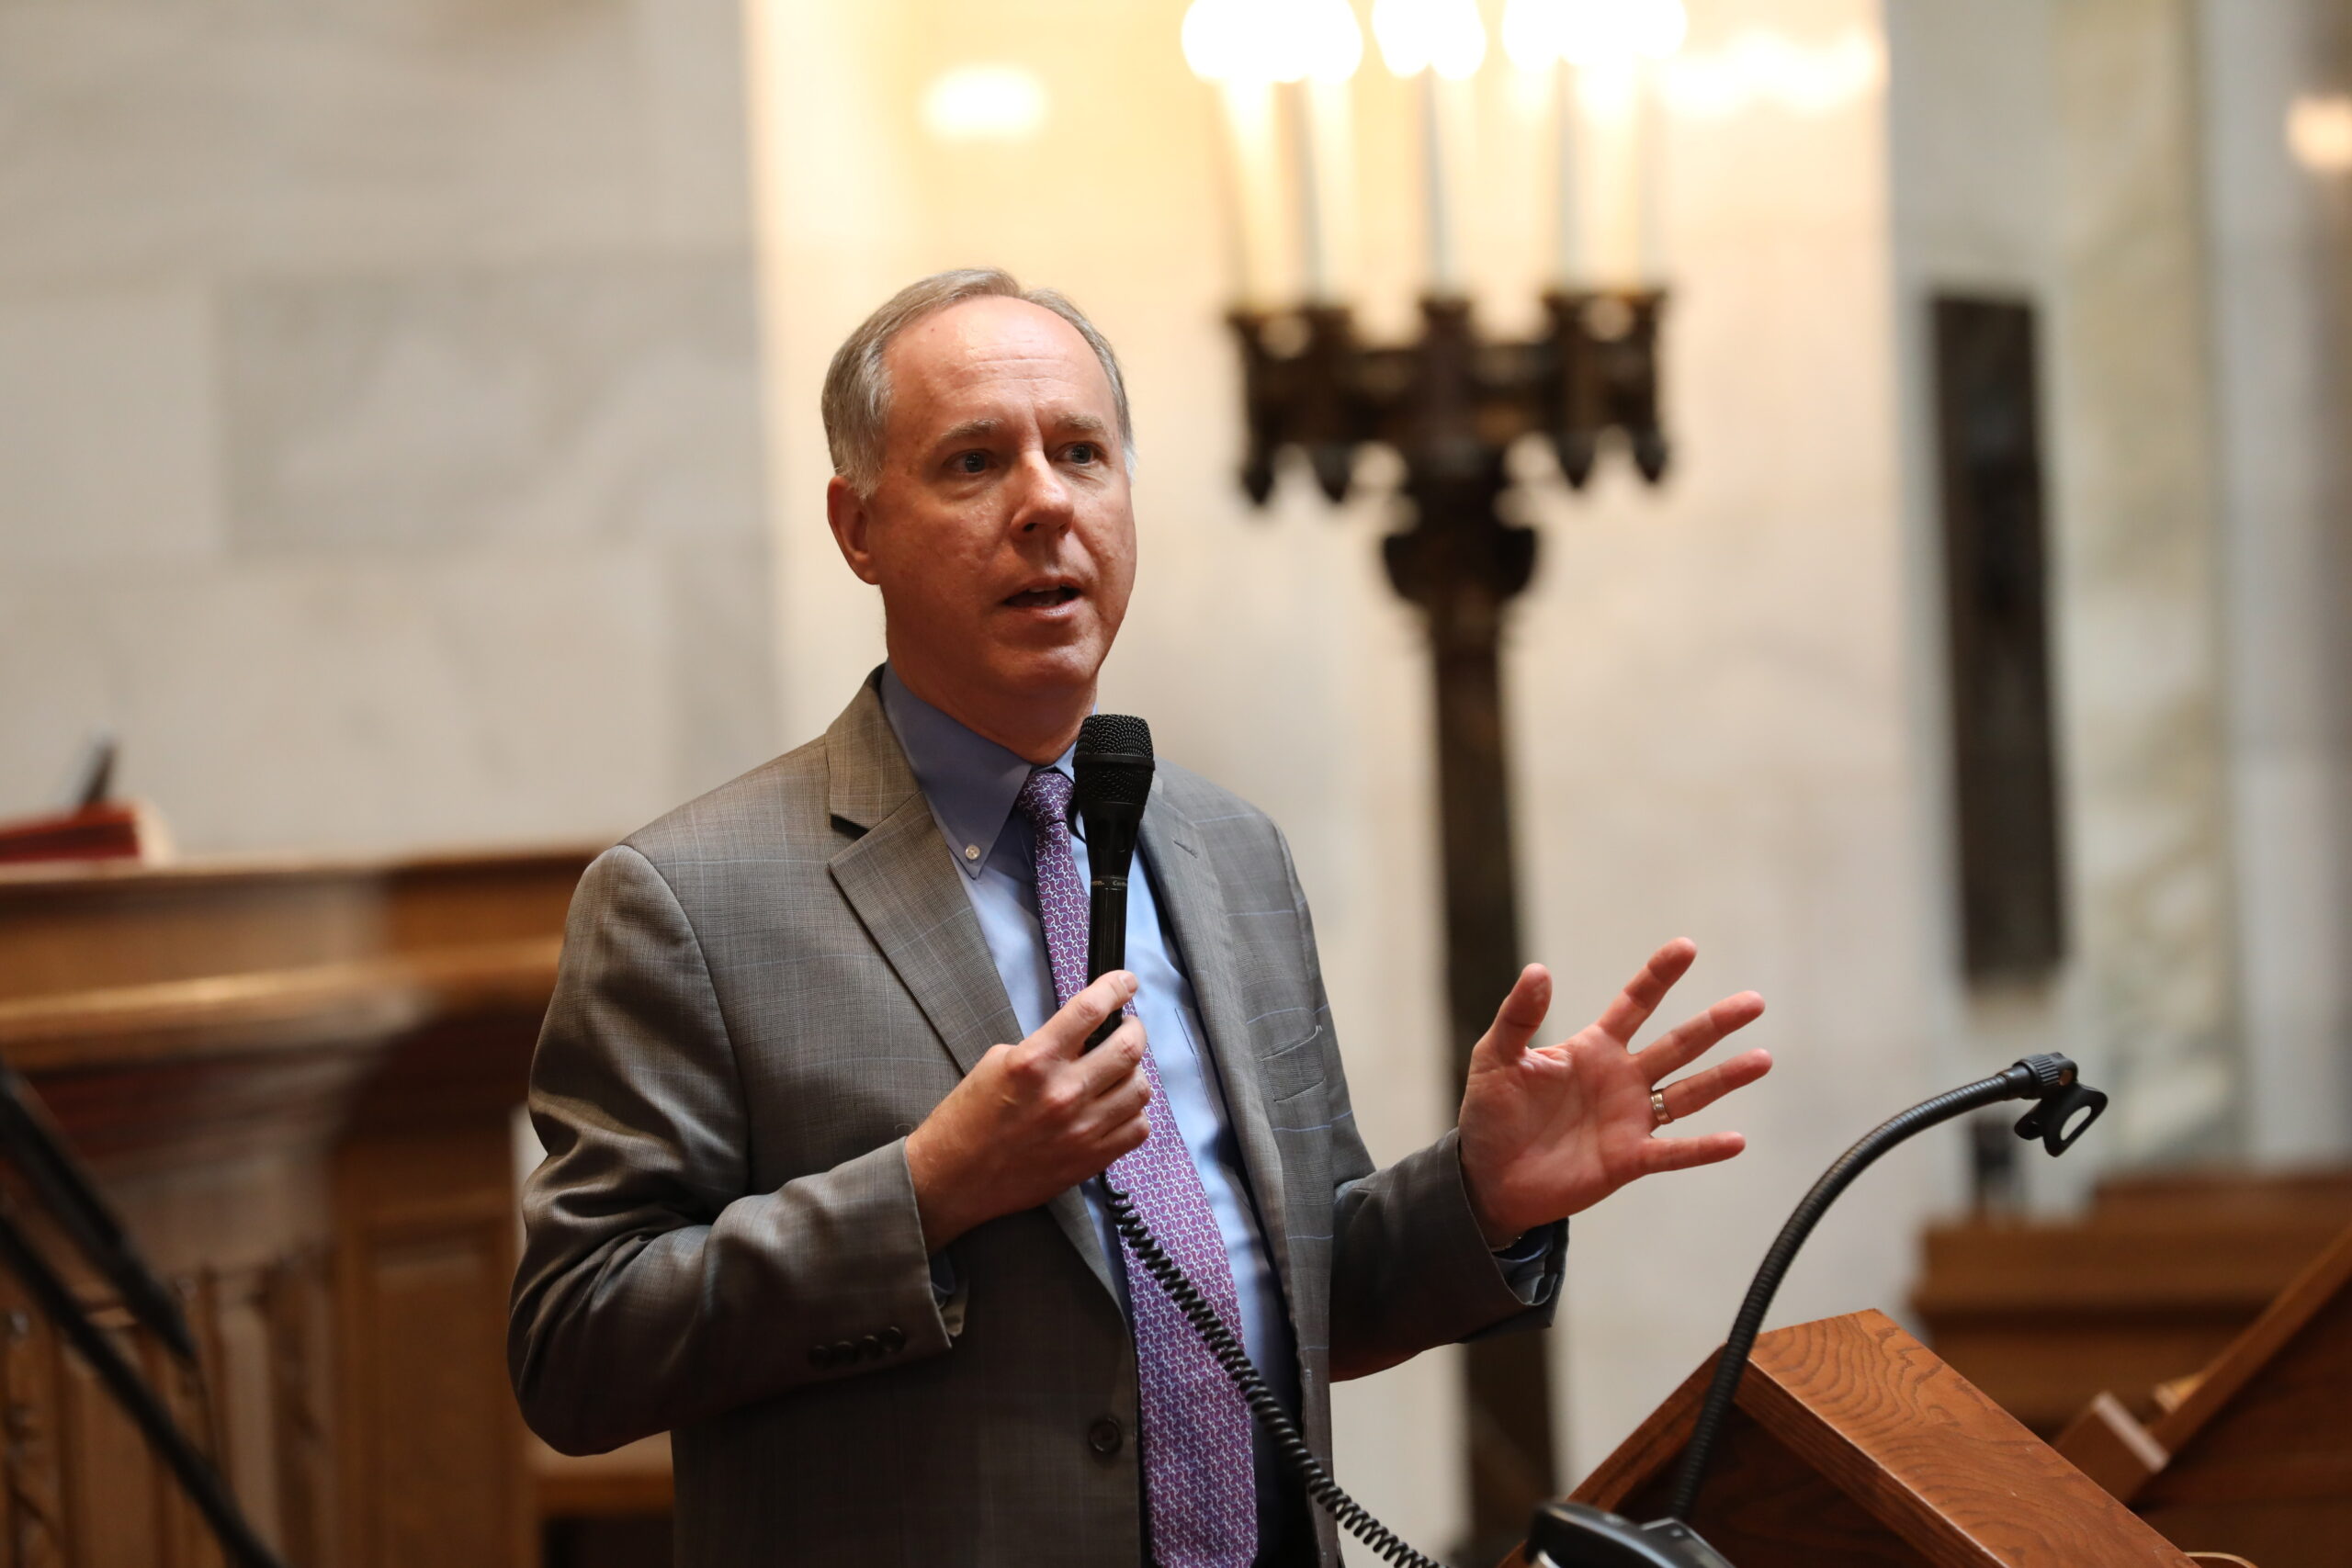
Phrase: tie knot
(1044, 799)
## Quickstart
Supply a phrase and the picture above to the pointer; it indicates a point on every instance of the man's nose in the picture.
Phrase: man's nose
(1042, 496)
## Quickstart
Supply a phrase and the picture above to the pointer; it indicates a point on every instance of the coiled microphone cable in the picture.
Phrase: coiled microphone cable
(1112, 787)
(1289, 1442)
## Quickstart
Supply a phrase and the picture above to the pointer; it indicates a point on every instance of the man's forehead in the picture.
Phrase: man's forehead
(977, 349)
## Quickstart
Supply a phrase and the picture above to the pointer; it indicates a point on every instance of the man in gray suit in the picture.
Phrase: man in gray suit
(821, 1191)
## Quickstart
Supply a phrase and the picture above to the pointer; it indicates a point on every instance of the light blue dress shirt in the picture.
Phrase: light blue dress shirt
(971, 784)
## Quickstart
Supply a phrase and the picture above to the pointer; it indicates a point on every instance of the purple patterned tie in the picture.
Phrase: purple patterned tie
(1196, 1461)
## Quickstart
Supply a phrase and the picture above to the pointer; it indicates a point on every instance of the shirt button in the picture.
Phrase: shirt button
(1104, 1436)
(971, 851)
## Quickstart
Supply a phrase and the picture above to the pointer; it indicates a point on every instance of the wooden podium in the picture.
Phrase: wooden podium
(1852, 1446)
(2256, 1449)
(297, 1082)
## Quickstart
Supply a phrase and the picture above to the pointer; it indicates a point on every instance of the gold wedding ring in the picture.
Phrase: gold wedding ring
(1658, 1113)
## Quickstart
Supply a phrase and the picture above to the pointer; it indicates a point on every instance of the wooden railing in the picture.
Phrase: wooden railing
(297, 1082)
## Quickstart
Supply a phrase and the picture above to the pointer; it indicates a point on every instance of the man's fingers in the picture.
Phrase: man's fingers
(1123, 1103)
(1685, 1044)
(1065, 1033)
(1523, 1011)
(1112, 1064)
(1683, 1153)
(1646, 991)
(1689, 1096)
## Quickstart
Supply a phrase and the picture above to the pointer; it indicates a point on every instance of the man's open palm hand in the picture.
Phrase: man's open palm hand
(1548, 1131)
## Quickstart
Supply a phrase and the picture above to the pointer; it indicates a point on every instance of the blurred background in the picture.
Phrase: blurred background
(409, 447)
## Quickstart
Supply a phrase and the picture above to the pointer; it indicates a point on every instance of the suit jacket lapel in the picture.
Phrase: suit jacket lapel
(1189, 890)
(898, 877)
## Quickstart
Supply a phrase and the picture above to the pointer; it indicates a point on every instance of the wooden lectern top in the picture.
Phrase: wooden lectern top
(1853, 1446)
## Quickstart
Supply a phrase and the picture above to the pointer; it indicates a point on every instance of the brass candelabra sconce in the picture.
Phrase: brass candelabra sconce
(1453, 404)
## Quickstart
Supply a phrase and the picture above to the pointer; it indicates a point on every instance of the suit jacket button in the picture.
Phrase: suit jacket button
(892, 1340)
(870, 1346)
(1104, 1436)
(845, 1352)
(820, 1355)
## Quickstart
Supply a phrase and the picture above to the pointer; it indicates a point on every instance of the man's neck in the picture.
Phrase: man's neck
(1037, 727)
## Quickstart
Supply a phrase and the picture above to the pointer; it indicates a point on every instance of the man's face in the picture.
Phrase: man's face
(1001, 532)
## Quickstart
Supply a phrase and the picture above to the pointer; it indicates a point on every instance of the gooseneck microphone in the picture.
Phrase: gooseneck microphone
(1114, 785)
(1575, 1535)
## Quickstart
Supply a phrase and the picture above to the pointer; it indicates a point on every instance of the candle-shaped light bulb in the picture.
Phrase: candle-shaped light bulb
(1623, 45)
(1433, 38)
(1444, 36)
(1597, 32)
(1250, 47)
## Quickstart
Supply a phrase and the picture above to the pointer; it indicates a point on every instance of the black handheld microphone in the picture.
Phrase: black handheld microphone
(1114, 785)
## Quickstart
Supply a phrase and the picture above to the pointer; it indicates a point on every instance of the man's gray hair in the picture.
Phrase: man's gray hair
(857, 384)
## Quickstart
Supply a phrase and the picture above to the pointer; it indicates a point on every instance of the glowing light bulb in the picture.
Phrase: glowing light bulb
(1272, 40)
(1535, 33)
(985, 103)
(1596, 32)
(2319, 133)
(1444, 36)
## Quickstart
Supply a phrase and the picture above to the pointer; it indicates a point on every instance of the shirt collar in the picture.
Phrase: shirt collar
(970, 781)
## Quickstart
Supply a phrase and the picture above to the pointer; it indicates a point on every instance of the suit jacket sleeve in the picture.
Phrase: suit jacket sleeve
(1410, 1268)
(654, 1290)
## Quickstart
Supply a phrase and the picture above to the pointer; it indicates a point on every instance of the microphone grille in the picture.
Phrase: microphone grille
(1114, 759)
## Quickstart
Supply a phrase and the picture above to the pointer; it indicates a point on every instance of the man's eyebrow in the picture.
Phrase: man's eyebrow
(1081, 424)
(979, 429)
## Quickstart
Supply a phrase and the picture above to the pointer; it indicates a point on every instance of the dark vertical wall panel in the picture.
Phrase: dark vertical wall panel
(1997, 619)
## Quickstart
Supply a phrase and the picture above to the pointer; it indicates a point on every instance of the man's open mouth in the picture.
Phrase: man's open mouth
(1043, 598)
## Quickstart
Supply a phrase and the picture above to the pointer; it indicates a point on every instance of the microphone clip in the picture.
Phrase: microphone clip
(2066, 1105)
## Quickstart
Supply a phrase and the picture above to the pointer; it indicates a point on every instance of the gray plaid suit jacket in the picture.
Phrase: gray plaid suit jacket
(762, 994)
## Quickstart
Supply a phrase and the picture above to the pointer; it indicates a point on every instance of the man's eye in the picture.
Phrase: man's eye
(1084, 452)
(972, 463)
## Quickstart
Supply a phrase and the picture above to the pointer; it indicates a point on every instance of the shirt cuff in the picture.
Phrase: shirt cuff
(1529, 1266)
(948, 1293)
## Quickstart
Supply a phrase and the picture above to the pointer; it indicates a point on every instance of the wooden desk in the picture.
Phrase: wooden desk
(297, 1082)
(2156, 1277)
(2256, 1449)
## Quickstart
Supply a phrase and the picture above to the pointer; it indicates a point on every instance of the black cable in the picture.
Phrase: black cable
(1288, 1441)
(69, 1195)
(2019, 1082)
(139, 1401)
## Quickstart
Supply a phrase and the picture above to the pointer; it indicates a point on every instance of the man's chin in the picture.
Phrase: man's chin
(1066, 668)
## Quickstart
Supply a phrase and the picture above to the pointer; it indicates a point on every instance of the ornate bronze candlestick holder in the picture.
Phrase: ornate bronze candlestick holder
(1451, 406)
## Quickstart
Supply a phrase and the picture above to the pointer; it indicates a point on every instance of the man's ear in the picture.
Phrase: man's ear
(846, 514)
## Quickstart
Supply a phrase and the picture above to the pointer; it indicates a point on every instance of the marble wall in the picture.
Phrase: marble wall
(380, 416)
(2050, 152)
(2128, 166)
(2138, 581)
(2280, 242)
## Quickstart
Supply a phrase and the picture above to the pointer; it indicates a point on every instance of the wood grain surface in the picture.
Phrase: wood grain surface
(296, 1082)
(1855, 1445)
(2259, 1450)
